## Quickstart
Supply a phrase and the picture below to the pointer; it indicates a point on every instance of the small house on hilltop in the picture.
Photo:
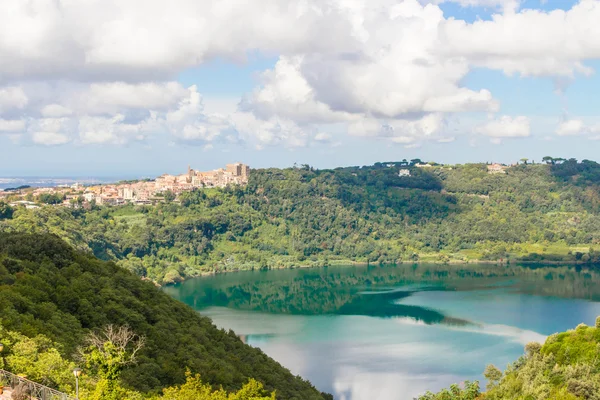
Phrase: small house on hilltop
(496, 168)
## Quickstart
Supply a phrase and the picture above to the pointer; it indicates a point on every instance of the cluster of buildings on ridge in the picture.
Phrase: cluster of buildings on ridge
(139, 192)
(494, 168)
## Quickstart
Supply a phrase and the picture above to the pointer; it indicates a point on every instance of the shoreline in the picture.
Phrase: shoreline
(403, 263)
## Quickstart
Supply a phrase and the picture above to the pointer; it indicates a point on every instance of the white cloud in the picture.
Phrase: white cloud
(51, 131)
(573, 127)
(271, 132)
(12, 98)
(115, 96)
(570, 127)
(189, 123)
(112, 130)
(50, 138)
(387, 68)
(55, 111)
(323, 137)
(505, 127)
(11, 126)
(530, 42)
(430, 127)
(507, 5)
(137, 40)
(134, 40)
(287, 94)
(395, 70)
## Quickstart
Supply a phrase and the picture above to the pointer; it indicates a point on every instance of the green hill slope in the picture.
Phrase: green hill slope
(301, 216)
(48, 288)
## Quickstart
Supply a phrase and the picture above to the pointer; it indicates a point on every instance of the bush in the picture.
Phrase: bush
(532, 348)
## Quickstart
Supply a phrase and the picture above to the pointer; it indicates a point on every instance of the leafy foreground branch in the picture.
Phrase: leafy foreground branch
(566, 367)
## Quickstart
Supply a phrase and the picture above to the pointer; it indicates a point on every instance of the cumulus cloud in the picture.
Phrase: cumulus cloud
(12, 97)
(508, 5)
(50, 138)
(11, 126)
(189, 123)
(401, 131)
(55, 111)
(505, 127)
(530, 42)
(571, 127)
(286, 93)
(108, 98)
(112, 130)
(323, 137)
(136, 40)
(271, 132)
(51, 131)
(393, 69)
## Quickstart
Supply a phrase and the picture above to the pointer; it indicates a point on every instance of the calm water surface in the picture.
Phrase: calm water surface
(367, 333)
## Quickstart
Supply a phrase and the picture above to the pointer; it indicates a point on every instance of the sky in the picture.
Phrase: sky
(137, 88)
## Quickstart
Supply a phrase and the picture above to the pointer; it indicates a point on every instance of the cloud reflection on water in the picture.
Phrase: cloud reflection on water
(352, 383)
(391, 333)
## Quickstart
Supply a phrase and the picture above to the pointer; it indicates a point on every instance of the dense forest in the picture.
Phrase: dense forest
(304, 217)
(53, 297)
(566, 367)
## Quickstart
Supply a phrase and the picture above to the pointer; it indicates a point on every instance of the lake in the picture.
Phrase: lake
(393, 332)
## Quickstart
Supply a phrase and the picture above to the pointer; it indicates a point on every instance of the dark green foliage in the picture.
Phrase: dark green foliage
(48, 198)
(6, 211)
(47, 287)
(14, 189)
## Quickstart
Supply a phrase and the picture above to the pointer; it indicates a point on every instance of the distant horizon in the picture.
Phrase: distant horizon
(136, 176)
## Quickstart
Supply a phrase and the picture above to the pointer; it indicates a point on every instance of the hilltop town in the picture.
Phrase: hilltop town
(165, 187)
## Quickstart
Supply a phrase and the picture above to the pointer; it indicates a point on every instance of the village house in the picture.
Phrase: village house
(496, 168)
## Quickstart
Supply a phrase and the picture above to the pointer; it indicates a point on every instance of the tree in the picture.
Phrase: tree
(107, 353)
(6, 211)
(532, 348)
(36, 357)
(548, 160)
(524, 160)
(48, 198)
(416, 161)
(169, 196)
(195, 389)
(471, 391)
(493, 375)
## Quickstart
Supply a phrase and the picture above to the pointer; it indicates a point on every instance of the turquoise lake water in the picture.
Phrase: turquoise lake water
(393, 332)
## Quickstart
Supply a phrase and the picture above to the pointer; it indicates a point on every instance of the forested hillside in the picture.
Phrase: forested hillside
(302, 216)
(52, 296)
